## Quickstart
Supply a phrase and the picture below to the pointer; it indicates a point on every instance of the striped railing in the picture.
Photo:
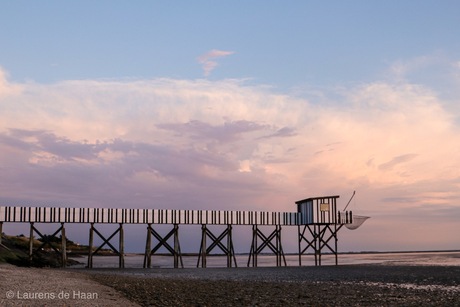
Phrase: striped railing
(144, 216)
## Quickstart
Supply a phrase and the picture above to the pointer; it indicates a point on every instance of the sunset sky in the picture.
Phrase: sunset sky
(238, 105)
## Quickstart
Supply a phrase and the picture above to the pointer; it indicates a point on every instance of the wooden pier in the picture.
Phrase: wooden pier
(317, 215)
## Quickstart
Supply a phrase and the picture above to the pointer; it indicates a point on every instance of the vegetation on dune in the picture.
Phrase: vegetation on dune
(15, 250)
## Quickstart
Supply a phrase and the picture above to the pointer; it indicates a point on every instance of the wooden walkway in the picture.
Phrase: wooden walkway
(317, 219)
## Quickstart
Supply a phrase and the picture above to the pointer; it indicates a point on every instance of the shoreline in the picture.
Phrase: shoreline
(216, 261)
(292, 254)
(343, 285)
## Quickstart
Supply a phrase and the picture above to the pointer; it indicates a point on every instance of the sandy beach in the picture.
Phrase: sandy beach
(348, 285)
(54, 287)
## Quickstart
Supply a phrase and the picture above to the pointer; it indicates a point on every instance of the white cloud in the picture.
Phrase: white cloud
(400, 69)
(208, 60)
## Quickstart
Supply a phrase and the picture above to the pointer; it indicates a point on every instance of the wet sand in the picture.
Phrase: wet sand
(345, 285)
(354, 285)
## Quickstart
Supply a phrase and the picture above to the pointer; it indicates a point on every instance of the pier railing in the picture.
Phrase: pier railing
(145, 216)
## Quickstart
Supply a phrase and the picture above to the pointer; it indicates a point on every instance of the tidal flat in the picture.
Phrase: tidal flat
(346, 285)
(343, 285)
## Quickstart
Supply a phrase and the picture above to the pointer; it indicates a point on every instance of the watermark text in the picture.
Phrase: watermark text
(61, 295)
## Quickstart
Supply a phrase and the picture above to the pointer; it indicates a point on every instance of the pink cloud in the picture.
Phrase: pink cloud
(208, 60)
(7, 88)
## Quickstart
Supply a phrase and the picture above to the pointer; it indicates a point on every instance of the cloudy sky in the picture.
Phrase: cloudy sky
(245, 105)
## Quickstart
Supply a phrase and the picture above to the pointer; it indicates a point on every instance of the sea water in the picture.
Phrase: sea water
(398, 258)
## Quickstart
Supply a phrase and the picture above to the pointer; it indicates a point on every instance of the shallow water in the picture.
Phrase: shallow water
(158, 261)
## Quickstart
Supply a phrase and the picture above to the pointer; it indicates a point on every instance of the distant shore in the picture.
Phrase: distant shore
(324, 254)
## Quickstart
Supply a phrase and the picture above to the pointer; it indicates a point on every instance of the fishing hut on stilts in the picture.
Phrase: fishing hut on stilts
(320, 223)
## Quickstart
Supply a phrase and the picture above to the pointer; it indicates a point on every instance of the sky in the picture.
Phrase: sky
(241, 105)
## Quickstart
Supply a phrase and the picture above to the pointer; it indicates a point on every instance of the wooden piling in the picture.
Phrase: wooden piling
(148, 248)
(336, 245)
(230, 251)
(121, 263)
(254, 250)
(203, 246)
(90, 244)
(31, 241)
(63, 247)
(278, 246)
(177, 252)
(1, 232)
(315, 245)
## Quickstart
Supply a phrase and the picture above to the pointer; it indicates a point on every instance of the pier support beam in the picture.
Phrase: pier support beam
(46, 241)
(266, 241)
(31, 242)
(90, 246)
(163, 242)
(121, 245)
(106, 241)
(63, 246)
(321, 236)
(1, 232)
(216, 241)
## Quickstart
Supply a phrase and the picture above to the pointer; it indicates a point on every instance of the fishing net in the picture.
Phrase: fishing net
(358, 220)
